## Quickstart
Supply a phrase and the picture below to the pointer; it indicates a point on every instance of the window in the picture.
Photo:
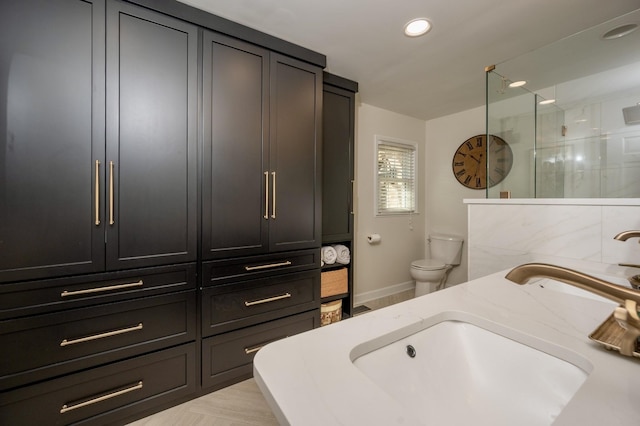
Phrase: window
(396, 176)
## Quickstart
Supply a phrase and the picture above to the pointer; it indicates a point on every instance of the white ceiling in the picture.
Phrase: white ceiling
(426, 77)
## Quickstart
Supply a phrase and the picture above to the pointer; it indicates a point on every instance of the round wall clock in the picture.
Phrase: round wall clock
(470, 161)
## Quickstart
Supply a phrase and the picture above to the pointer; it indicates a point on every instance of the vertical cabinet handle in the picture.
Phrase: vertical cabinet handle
(273, 201)
(111, 221)
(353, 194)
(266, 195)
(97, 190)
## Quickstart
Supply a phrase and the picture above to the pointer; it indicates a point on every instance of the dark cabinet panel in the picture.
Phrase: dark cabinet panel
(296, 100)
(235, 107)
(51, 135)
(59, 294)
(227, 358)
(338, 132)
(64, 185)
(337, 167)
(105, 394)
(48, 345)
(227, 271)
(247, 303)
(151, 138)
(261, 168)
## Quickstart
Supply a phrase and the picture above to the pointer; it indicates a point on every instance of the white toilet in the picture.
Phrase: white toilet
(431, 274)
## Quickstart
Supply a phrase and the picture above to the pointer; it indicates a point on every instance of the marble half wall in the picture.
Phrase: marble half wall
(575, 233)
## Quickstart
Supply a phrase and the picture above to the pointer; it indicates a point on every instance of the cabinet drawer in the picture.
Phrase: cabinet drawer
(105, 394)
(232, 306)
(35, 297)
(230, 270)
(44, 346)
(228, 357)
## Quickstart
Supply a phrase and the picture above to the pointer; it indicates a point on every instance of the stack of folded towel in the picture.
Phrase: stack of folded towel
(335, 254)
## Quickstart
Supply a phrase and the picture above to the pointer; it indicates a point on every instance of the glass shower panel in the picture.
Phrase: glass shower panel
(551, 154)
(511, 115)
(585, 152)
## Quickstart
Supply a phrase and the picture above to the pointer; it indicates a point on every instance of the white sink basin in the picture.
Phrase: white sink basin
(465, 371)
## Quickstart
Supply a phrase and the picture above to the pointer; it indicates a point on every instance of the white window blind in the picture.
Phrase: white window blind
(396, 177)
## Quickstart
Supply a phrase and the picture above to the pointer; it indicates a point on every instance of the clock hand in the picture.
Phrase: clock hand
(475, 159)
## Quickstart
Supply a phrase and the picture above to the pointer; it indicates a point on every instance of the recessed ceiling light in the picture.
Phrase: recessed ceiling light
(620, 31)
(417, 27)
(547, 102)
(518, 83)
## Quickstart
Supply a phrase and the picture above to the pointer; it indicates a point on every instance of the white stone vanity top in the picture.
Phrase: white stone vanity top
(557, 201)
(309, 379)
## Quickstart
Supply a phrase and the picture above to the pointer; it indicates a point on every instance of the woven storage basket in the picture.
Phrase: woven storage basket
(330, 312)
(333, 282)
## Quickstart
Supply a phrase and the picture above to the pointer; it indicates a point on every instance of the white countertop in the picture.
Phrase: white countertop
(557, 201)
(309, 379)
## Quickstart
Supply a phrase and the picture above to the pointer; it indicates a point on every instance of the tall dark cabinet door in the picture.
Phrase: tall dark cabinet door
(151, 138)
(51, 137)
(235, 207)
(337, 148)
(296, 99)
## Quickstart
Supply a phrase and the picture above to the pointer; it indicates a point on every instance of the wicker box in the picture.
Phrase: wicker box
(330, 312)
(333, 282)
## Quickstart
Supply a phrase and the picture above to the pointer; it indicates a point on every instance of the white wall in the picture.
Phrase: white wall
(445, 210)
(383, 269)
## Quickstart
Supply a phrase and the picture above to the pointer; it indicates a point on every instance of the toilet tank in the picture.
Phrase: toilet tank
(447, 248)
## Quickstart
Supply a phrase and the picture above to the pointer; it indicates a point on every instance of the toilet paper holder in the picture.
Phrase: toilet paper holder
(374, 238)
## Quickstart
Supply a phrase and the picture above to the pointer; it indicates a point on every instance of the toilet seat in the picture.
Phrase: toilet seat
(428, 264)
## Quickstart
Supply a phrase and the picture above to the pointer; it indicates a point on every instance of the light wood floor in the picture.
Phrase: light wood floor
(239, 405)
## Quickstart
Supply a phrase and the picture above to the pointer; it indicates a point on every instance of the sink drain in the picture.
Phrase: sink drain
(411, 351)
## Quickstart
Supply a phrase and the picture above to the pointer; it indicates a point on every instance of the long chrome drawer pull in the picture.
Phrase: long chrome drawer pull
(100, 289)
(66, 342)
(270, 265)
(248, 351)
(131, 388)
(267, 300)
(273, 201)
(111, 221)
(266, 195)
(97, 189)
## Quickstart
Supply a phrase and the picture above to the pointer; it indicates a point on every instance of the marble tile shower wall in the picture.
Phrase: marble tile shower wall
(577, 236)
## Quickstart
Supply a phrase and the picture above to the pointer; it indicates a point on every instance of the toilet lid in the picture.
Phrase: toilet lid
(428, 264)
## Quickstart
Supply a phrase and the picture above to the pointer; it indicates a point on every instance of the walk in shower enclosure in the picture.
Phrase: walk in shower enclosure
(584, 142)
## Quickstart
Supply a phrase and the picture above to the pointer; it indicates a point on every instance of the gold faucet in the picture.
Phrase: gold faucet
(624, 236)
(626, 314)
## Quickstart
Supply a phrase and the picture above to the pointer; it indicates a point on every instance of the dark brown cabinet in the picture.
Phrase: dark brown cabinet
(98, 210)
(261, 171)
(338, 117)
(72, 201)
(338, 133)
(261, 202)
(160, 204)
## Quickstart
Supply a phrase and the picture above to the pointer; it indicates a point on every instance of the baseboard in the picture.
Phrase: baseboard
(362, 298)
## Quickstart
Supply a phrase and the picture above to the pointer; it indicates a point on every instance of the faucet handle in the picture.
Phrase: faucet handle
(621, 315)
(627, 317)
